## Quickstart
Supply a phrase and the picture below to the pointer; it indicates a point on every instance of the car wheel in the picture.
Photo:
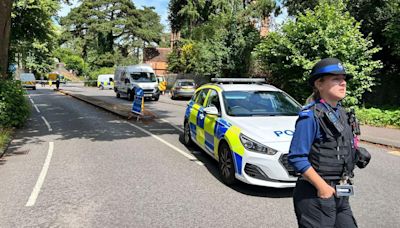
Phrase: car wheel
(226, 165)
(187, 140)
(34, 88)
(101, 87)
(118, 95)
(157, 98)
(172, 96)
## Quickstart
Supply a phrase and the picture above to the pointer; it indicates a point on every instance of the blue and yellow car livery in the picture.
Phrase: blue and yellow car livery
(216, 133)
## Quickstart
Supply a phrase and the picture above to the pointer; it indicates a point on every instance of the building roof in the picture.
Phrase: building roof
(156, 54)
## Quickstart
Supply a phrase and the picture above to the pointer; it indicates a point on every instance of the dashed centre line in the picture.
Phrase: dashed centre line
(37, 109)
(42, 176)
(47, 123)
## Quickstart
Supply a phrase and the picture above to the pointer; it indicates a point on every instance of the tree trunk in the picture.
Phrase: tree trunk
(264, 26)
(5, 26)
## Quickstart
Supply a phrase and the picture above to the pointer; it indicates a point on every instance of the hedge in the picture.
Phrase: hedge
(14, 106)
(379, 117)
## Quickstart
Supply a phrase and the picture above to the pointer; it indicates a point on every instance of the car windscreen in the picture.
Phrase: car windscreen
(259, 103)
(144, 77)
(186, 83)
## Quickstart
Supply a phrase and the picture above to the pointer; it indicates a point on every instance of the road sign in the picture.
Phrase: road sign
(138, 102)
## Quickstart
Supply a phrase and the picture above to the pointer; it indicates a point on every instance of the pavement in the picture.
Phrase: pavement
(377, 135)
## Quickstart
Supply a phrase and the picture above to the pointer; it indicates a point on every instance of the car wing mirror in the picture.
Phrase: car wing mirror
(211, 111)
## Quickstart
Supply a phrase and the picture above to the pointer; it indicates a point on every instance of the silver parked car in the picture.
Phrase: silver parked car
(183, 88)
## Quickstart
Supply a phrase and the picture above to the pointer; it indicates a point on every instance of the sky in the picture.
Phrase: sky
(161, 7)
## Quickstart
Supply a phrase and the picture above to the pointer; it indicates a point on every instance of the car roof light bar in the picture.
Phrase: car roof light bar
(238, 80)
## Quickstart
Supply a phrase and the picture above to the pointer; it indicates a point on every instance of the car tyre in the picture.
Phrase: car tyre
(118, 95)
(226, 164)
(187, 140)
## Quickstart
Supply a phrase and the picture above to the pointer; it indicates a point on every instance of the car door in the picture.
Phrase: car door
(197, 118)
(210, 121)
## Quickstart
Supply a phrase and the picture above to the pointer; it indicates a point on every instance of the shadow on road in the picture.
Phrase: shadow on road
(247, 189)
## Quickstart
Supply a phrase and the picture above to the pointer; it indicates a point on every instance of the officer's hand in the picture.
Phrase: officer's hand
(326, 191)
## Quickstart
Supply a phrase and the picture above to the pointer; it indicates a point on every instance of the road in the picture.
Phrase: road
(75, 165)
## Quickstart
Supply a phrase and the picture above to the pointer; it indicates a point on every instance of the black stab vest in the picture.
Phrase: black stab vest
(334, 155)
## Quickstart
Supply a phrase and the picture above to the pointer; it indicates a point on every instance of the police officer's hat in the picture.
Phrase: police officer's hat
(327, 66)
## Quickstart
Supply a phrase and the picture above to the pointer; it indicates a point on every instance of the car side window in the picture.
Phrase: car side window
(194, 97)
(213, 100)
(202, 97)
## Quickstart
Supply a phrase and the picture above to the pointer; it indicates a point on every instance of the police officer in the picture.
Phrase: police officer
(323, 151)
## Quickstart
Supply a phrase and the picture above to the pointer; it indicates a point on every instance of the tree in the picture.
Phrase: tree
(71, 59)
(328, 31)
(221, 35)
(294, 6)
(5, 25)
(379, 20)
(106, 30)
(33, 35)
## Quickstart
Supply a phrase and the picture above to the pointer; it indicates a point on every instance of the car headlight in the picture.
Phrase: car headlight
(254, 146)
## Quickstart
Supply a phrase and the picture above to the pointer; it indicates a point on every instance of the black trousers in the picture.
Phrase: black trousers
(312, 211)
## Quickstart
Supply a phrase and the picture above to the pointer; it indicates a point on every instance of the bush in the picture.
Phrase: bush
(328, 31)
(14, 107)
(379, 117)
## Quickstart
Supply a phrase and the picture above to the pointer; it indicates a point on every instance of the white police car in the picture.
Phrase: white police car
(247, 127)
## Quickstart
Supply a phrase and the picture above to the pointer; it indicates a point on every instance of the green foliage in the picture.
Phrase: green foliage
(93, 75)
(379, 117)
(72, 60)
(219, 36)
(295, 7)
(5, 137)
(392, 29)
(104, 70)
(14, 107)
(106, 32)
(379, 20)
(328, 31)
(33, 34)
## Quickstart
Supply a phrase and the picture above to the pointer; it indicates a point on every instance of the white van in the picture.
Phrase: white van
(28, 80)
(105, 81)
(128, 78)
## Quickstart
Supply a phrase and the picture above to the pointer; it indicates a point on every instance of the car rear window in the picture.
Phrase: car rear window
(186, 83)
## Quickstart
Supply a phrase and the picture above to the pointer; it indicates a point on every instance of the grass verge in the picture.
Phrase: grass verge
(5, 137)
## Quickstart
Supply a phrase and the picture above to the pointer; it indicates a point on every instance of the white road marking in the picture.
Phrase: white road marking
(47, 123)
(33, 104)
(37, 109)
(166, 121)
(42, 176)
(159, 129)
(189, 156)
